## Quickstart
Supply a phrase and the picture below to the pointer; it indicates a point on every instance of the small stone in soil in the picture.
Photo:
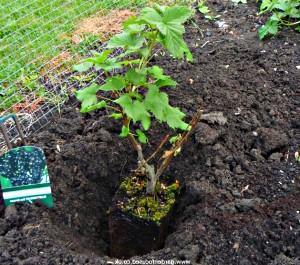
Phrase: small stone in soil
(205, 134)
(245, 205)
(276, 157)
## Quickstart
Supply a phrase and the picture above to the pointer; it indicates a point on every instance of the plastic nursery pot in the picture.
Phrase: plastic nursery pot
(132, 235)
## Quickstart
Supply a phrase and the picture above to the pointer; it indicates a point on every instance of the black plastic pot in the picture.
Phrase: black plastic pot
(130, 235)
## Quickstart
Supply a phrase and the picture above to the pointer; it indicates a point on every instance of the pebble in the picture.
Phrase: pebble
(222, 25)
(276, 157)
(208, 34)
(245, 205)
(205, 134)
(256, 153)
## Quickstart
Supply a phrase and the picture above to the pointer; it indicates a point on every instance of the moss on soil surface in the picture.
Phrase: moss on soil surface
(149, 207)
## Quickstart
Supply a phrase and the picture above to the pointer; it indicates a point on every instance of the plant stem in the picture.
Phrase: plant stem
(145, 60)
(171, 153)
(133, 141)
(162, 143)
(144, 167)
(289, 24)
(113, 108)
(108, 99)
(149, 169)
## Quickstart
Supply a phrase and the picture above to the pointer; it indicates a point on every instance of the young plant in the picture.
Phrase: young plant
(284, 13)
(134, 95)
(205, 11)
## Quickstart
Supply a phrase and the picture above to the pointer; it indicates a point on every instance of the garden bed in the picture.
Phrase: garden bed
(242, 199)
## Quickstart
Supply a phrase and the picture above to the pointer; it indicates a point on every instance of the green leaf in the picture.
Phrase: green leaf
(82, 67)
(115, 83)
(144, 52)
(174, 119)
(298, 28)
(203, 9)
(135, 110)
(116, 116)
(99, 58)
(276, 16)
(135, 28)
(131, 21)
(265, 5)
(109, 65)
(124, 131)
(87, 96)
(130, 62)
(165, 82)
(99, 61)
(282, 5)
(156, 102)
(135, 95)
(177, 14)
(174, 139)
(99, 105)
(293, 12)
(271, 27)
(160, 9)
(136, 76)
(176, 46)
(126, 40)
(142, 136)
(151, 16)
(156, 71)
(169, 23)
(161, 79)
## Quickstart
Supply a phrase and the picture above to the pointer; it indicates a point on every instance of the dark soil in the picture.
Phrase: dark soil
(242, 198)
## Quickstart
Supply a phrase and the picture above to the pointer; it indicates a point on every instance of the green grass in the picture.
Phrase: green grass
(31, 34)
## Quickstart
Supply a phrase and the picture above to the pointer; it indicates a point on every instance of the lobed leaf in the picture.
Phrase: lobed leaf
(271, 27)
(169, 22)
(126, 40)
(174, 118)
(135, 110)
(158, 103)
(99, 61)
(115, 83)
(136, 76)
(87, 96)
(161, 79)
(177, 14)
